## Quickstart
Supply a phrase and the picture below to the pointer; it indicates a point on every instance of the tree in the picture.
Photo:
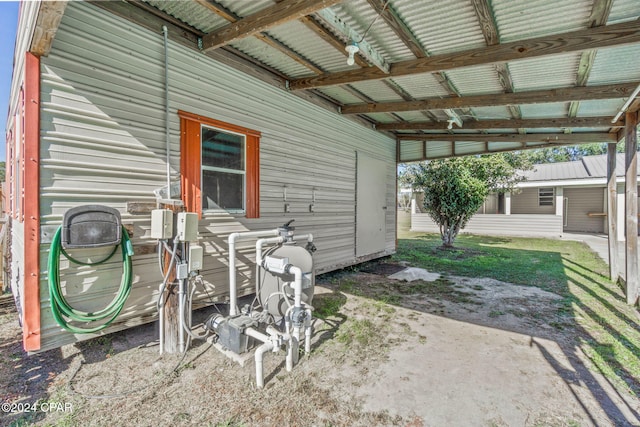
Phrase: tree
(454, 189)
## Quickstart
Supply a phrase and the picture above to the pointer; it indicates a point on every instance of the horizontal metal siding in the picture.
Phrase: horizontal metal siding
(581, 202)
(526, 202)
(103, 142)
(498, 225)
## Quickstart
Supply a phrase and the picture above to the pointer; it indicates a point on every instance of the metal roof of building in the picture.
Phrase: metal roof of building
(423, 63)
(587, 167)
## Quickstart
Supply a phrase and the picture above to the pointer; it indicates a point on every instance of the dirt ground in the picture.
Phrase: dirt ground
(453, 352)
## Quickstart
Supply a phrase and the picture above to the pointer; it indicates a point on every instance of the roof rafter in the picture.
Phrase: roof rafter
(621, 90)
(575, 41)
(485, 16)
(555, 138)
(47, 23)
(232, 17)
(584, 122)
(315, 26)
(599, 15)
(330, 19)
(277, 14)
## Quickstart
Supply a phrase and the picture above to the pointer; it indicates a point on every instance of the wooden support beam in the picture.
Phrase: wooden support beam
(631, 207)
(333, 21)
(314, 25)
(47, 23)
(398, 26)
(612, 211)
(575, 41)
(599, 16)
(485, 16)
(285, 11)
(530, 97)
(232, 17)
(570, 123)
(551, 138)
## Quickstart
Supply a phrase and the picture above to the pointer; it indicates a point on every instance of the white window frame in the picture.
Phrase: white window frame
(225, 170)
(546, 196)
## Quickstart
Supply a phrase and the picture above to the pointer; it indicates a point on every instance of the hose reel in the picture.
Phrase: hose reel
(88, 227)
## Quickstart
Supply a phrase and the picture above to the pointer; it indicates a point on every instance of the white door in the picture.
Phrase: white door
(371, 207)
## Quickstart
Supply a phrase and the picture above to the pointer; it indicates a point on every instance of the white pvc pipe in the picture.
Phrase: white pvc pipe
(295, 344)
(297, 286)
(259, 355)
(161, 317)
(181, 348)
(233, 237)
(165, 33)
(257, 335)
(262, 242)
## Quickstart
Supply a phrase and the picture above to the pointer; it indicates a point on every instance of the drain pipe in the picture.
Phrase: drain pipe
(259, 355)
(307, 331)
(233, 238)
(165, 33)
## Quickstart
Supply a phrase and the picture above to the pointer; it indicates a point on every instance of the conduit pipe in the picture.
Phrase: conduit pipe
(165, 33)
(233, 238)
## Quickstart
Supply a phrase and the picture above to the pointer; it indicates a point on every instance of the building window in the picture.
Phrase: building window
(219, 166)
(546, 196)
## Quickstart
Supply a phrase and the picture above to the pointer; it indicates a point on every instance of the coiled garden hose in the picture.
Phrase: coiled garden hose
(60, 307)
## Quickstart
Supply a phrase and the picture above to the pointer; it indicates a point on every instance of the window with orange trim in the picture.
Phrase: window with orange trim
(219, 166)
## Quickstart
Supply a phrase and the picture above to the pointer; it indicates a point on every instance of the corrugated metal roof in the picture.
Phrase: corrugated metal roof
(602, 107)
(545, 73)
(624, 10)
(519, 20)
(476, 80)
(557, 171)
(442, 26)
(486, 113)
(587, 167)
(375, 89)
(243, 8)
(302, 40)
(421, 86)
(358, 14)
(191, 13)
(271, 57)
(616, 64)
(341, 95)
(546, 110)
(413, 116)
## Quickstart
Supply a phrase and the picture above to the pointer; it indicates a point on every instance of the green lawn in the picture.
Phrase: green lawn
(607, 329)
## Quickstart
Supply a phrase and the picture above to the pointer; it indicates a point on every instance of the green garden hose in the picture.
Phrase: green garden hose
(60, 307)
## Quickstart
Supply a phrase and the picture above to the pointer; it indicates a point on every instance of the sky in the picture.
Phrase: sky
(8, 25)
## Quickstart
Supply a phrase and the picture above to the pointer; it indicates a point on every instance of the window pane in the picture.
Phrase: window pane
(222, 190)
(222, 150)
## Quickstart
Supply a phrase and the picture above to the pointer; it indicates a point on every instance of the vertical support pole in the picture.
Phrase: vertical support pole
(507, 203)
(170, 312)
(559, 202)
(631, 206)
(612, 211)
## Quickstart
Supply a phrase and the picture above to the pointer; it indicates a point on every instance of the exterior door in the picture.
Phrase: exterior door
(371, 207)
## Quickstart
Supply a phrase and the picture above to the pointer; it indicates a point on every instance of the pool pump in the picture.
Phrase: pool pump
(282, 308)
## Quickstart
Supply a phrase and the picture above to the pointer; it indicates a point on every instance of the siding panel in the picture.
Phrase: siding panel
(581, 202)
(103, 142)
(498, 225)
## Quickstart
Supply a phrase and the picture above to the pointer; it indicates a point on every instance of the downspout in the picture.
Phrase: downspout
(165, 33)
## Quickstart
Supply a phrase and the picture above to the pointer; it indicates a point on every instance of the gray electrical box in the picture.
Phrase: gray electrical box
(91, 226)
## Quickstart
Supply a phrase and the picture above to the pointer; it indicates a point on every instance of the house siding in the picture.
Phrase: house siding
(498, 225)
(580, 203)
(526, 202)
(103, 142)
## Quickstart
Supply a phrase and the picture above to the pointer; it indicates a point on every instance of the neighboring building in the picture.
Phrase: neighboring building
(556, 198)
(87, 126)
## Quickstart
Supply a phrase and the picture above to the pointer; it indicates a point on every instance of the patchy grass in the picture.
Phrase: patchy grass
(608, 329)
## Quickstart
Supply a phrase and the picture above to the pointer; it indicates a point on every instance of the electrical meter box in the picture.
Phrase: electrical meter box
(91, 226)
(187, 227)
(195, 258)
(161, 224)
